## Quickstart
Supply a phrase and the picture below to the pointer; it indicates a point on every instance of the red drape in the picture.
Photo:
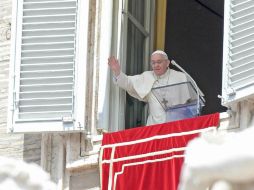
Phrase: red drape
(149, 157)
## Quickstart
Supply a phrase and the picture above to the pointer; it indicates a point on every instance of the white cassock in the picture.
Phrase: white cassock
(140, 86)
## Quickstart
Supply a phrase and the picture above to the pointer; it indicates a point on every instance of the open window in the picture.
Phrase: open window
(135, 50)
(47, 72)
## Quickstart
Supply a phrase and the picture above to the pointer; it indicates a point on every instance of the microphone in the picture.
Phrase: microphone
(193, 82)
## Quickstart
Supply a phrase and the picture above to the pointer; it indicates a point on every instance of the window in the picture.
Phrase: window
(238, 59)
(134, 51)
(47, 73)
(137, 42)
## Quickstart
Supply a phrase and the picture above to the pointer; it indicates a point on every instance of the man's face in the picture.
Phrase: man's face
(159, 64)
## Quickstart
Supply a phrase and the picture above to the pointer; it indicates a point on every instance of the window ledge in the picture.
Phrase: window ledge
(87, 162)
(226, 122)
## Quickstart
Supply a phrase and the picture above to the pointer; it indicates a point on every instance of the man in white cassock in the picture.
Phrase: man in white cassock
(140, 86)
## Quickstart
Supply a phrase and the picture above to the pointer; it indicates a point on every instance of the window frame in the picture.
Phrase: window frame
(117, 115)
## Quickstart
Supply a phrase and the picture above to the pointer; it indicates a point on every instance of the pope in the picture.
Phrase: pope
(140, 86)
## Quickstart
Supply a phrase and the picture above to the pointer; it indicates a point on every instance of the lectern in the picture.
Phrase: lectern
(179, 100)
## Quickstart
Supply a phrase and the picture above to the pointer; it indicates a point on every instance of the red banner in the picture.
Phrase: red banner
(149, 157)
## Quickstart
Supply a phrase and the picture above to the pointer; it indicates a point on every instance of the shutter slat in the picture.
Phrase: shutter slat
(48, 25)
(242, 5)
(46, 74)
(241, 41)
(45, 18)
(40, 87)
(44, 1)
(48, 70)
(242, 83)
(234, 2)
(243, 10)
(243, 33)
(46, 53)
(243, 47)
(241, 75)
(242, 26)
(48, 80)
(48, 32)
(242, 61)
(45, 101)
(43, 116)
(40, 108)
(49, 11)
(48, 66)
(241, 68)
(242, 54)
(48, 4)
(241, 20)
(47, 59)
(40, 46)
(45, 93)
(47, 39)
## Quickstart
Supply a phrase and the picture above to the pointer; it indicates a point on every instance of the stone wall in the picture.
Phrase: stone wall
(18, 146)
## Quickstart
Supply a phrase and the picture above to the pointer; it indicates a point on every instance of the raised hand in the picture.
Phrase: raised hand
(114, 65)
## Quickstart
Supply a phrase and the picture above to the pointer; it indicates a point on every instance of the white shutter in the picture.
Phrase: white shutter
(44, 63)
(238, 54)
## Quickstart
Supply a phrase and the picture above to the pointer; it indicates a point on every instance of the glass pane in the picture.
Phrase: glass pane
(137, 9)
(134, 65)
(179, 100)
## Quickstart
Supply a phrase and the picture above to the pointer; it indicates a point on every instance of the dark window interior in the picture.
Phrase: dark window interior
(194, 39)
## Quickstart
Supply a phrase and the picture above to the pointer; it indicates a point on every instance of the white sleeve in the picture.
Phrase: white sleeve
(127, 83)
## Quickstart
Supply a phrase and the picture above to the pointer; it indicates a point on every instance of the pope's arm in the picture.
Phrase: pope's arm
(122, 80)
(127, 83)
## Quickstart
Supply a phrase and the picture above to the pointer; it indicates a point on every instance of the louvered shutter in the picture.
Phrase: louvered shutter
(238, 55)
(45, 61)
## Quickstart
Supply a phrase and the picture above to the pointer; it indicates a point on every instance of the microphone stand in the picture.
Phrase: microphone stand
(199, 92)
